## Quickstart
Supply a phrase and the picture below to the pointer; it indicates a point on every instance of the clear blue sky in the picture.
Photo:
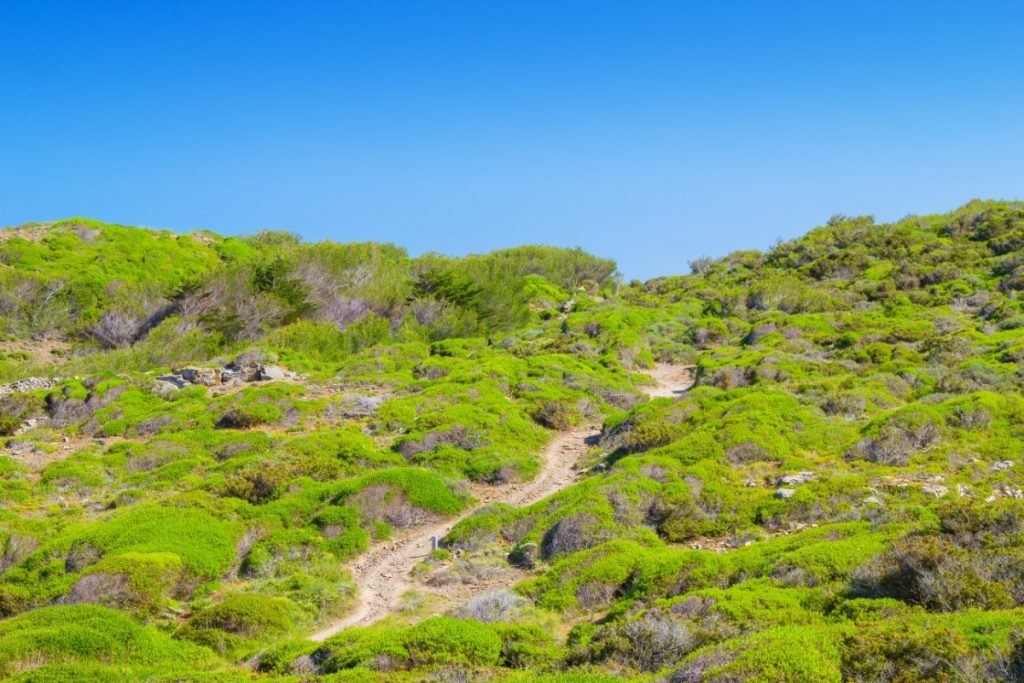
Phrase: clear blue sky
(651, 132)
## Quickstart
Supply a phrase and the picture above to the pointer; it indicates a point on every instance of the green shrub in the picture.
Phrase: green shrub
(73, 634)
(205, 544)
(148, 578)
(443, 640)
(248, 615)
(781, 654)
(360, 646)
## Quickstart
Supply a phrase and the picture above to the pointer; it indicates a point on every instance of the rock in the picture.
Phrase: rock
(525, 556)
(28, 384)
(1002, 465)
(330, 531)
(23, 447)
(166, 385)
(32, 423)
(937, 490)
(355, 405)
(80, 556)
(801, 477)
(251, 373)
(784, 494)
(872, 500)
(112, 590)
(273, 372)
(206, 377)
(304, 665)
(18, 548)
(243, 372)
(1010, 492)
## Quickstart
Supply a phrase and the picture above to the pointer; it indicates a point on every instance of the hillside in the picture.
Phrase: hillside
(212, 444)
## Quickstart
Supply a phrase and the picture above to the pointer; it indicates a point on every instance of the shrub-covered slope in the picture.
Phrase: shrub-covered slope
(200, 432)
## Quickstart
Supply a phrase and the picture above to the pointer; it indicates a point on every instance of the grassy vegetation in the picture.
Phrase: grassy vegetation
(839, 497)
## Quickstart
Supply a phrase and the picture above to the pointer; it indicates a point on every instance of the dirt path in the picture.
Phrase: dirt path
(673, 380)
(382, 573)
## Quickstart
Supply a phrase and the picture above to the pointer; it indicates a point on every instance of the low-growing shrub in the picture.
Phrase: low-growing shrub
(81, 635)
(560, 415)
(497, 606)
(248, 615)
(572, 534)
(443, 640)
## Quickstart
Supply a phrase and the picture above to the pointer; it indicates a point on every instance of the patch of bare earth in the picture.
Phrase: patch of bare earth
(31, 233)
(36, 457)
(672, 380)
(43, 351)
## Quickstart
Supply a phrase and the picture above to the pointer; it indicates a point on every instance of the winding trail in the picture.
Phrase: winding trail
(382, 573)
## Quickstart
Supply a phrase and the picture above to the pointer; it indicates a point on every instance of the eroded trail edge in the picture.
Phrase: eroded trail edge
(382, 573)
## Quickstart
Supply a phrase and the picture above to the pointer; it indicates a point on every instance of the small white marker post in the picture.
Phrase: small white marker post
(433, 543)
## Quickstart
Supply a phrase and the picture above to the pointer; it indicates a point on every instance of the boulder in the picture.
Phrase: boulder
(30, 424)
(784, 494)
(28, 384)
(18, 548)
(165, 385)
(206, 377)
(250, 373)
(801, 477)
(102, 588)
(273, 373)
(243, 371)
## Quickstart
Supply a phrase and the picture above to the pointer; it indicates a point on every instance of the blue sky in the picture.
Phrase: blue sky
(651, 132)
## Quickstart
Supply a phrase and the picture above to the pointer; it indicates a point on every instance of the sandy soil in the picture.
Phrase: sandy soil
(673, 380)
(382, 573)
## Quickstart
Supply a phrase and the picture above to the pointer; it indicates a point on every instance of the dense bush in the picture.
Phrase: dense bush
(82, 634)
(442, 640)
(251, 616)
(839, 497)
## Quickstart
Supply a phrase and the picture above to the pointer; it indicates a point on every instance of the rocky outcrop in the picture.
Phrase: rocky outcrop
(232, 374)
(28, 384)
(798, 478)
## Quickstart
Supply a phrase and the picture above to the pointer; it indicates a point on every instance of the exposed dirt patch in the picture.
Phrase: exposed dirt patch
(43, 351)
(35, 457)
(672, 380)
(32, 232)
